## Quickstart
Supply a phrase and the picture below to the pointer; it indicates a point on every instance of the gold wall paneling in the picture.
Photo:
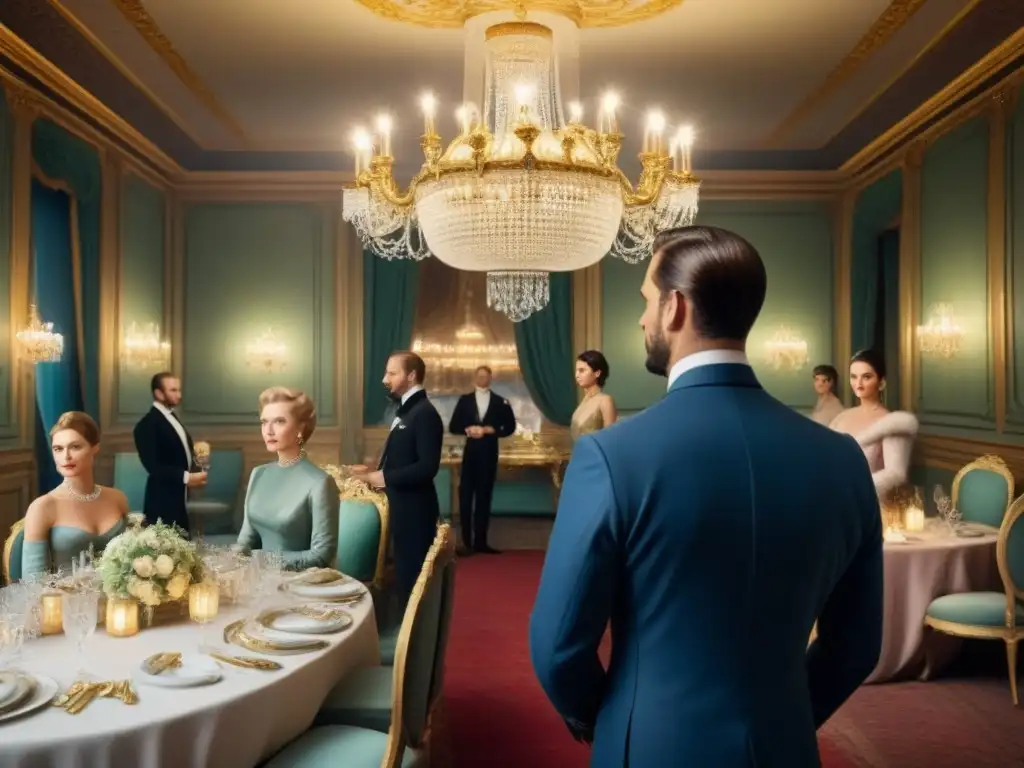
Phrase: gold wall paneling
(910, 278)
(952, 453)
(442, 14)
(996, 240)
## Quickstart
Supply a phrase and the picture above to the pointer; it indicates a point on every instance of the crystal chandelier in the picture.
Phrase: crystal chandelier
(520, 192)
(144, 349)
(942, 335)
(39, 343)
(267, 353)
(786, 351)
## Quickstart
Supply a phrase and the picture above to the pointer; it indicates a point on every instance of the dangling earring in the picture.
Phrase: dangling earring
(301, 441)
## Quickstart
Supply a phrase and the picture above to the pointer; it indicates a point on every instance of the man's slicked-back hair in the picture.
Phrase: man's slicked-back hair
(719, 273)
(412, 363)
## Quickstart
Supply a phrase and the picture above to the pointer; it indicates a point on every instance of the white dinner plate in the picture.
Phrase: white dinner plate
(195, 669)
(45, 689)
(327, 591)
(8, 687)
(304, 625)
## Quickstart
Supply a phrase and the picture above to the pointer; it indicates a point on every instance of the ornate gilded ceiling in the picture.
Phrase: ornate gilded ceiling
(266, 85)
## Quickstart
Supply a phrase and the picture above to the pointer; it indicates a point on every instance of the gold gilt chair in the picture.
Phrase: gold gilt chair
(12, 553)
(991, 615)
(362, 530)
(983, 490)
(415, 686)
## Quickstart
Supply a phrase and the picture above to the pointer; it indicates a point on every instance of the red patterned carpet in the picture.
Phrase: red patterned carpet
(498, 715)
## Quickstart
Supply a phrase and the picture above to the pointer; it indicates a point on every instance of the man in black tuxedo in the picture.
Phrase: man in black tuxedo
(166, 451)
(408, 466)
(483, 417)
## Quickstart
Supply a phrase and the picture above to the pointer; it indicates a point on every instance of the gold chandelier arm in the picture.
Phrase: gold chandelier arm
(383, 183)
(646, 192)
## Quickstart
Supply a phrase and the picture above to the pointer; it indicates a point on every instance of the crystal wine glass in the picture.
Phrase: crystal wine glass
(79, 616)
(12, 636)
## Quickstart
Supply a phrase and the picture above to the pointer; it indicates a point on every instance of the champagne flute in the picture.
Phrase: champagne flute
(79, 616)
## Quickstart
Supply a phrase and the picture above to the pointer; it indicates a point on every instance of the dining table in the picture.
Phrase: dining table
(236, 722)
(919, 567)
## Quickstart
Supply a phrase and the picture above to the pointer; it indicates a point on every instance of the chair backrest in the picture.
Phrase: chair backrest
(983, 489)
(1010, 555)
(416, 648)
(363, 516)
(12, 553)
(130, 478)
(446, 574)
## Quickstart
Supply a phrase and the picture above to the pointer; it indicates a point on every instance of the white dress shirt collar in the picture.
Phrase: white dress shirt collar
(412, 391)
(163, 409)
(707, 357)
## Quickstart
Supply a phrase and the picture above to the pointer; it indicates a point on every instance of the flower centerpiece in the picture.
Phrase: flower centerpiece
(154, 565)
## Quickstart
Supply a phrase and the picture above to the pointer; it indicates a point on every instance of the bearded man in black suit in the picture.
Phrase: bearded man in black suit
(408, 465)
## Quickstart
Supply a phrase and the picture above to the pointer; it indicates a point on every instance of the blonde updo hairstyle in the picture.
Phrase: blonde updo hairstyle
(302, 407)
(80, 422)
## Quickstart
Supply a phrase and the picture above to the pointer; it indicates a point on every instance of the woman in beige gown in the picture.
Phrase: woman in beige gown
(596, 410)
(887, 438)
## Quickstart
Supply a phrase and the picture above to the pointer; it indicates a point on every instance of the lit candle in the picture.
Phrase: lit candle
(52, 620)
(608, 122)
(384, 129)
(429, 105)
(575, 112)
(363, 145)
(462, 116)
(684, 140)
(203, 601)
(655, 127)
(913, 519)
(122, 617)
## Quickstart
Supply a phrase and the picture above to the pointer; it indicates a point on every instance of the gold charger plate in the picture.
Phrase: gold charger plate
(329, 619)
(235, 634)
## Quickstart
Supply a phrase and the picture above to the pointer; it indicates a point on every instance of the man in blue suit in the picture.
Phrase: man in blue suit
(711, 530)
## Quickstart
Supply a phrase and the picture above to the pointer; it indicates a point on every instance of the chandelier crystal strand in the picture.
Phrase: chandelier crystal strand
(39, 343)
(519, 191)
(517, 294)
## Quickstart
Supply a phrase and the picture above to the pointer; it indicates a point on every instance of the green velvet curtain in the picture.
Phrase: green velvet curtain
(873, 213)
(889, 261)
(544, 340)
(64, 157)
(389, 309)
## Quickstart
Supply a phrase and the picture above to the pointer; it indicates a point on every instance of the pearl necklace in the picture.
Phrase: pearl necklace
(91, 496)
(291, 462)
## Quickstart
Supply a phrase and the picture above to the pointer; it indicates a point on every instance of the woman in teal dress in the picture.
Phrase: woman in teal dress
(78, 515)
(291, 505)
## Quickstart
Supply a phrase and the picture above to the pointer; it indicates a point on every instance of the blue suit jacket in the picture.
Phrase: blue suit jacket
(712, 530)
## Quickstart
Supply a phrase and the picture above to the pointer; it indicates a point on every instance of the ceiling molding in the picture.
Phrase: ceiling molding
(135, 13)
(912, 127)
(126, 71)
(61, 84)
(891, 21)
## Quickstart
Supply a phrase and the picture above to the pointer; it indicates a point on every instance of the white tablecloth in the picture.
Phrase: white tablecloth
(235, 723)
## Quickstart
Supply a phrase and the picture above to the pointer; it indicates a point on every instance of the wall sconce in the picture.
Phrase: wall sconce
(942, 335)
(144, 350)
(267, 353)
(786, 351)
(38, 341)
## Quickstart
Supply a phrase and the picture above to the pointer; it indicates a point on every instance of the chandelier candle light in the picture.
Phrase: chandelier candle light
(39, 343)
(267, 353)
(942, 335)
(144, 349)
(520, 192)
(786, 351)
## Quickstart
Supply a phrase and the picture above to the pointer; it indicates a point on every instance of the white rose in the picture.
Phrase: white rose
(164, 566)
(178, 586)
(133, 587)
(143, 566)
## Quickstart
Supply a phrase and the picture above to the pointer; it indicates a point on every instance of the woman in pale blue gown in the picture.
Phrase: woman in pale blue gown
(291, 505)
(78, 515)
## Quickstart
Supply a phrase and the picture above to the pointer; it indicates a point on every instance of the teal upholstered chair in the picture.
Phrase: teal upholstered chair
(362, 529)
(363, 697)
(992, 615)
(212, 510)
(130, 478)
(413, 686)
(982, 490)
(12, 553)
